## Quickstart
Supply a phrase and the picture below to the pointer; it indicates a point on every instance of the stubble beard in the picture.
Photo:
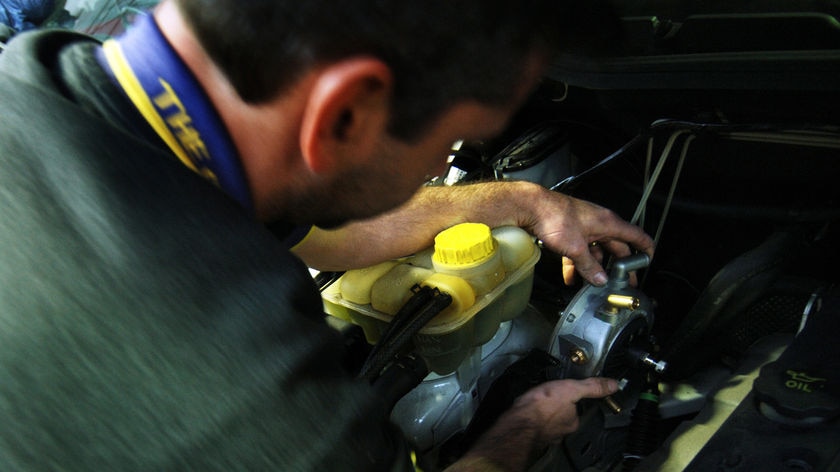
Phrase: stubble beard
(356, 195)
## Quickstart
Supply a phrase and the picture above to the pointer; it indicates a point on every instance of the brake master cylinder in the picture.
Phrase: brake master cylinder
(488, 273)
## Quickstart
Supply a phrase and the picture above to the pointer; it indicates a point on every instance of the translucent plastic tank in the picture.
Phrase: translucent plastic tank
(489, 275)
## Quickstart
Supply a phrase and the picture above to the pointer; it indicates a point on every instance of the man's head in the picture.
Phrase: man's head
(438, 51)
(372, 92)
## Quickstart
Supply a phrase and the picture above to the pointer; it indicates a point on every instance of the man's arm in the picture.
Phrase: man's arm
(541, 416)
(564, 224)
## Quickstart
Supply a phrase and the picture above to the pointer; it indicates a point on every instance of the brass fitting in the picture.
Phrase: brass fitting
(623, 301)
(577, 356)
(612, 404)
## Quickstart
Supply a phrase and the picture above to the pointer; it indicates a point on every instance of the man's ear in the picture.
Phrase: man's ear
(345, 113)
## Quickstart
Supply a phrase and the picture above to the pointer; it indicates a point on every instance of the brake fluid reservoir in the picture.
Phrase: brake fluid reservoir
(515, 245)
(390, 292)
(356, 284)
(469, 251)
(488, 273)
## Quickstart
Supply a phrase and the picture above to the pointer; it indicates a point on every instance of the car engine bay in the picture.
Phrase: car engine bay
(717, 132)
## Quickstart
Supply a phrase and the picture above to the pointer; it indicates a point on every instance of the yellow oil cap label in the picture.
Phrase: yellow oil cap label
(464, 244)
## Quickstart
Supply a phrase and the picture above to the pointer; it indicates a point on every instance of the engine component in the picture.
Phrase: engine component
(542, 155)
(459, 308)
(469, 251)
(442, 406)
(425, 304)
(801, 388)
(489, 283)
(604, 330)
(643, 436)
(532, 369)
(734, 288)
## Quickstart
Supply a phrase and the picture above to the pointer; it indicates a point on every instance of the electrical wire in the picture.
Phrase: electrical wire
(565, 183)
(735, 127)
(646, 176)
(666, 208)
(796, 134)
(655, 176)
(673, 188)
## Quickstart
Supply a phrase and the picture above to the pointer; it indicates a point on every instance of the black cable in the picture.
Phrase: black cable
(425, 304)
(421, 296)
(695, 127)
(325, 279)
(735, 127)
(565, 183)
(399, 337)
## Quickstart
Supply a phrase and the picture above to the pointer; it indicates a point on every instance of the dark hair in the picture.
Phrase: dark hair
(439, 51)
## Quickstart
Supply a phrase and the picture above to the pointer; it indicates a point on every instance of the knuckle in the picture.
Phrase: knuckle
(575, 250)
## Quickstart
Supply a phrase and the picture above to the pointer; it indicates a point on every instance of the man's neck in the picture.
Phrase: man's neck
(173, 102)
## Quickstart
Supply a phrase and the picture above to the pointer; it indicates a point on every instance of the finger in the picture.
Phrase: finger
(568, 271)
(594, 387)
(613, 227)
(589, 268)
(617, 248)
(597, 251)
(637, 238)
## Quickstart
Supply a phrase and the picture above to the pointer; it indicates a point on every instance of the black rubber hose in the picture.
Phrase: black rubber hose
(399, 378)
(325, 279)
(422, 296)
(402, 334)
(408, 322)
(644, 431)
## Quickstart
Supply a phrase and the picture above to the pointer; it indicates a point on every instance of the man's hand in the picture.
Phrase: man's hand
(541, 416)
(581, 231)
(553, 404)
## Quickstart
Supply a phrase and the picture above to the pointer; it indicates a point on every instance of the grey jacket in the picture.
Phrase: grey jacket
(146, 322)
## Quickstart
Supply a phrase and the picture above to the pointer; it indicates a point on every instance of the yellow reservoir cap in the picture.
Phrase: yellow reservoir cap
(465, 244)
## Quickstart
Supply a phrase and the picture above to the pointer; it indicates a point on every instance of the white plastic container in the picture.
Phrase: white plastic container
(448, 338)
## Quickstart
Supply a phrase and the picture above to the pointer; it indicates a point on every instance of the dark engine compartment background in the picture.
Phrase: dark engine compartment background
(751, 235)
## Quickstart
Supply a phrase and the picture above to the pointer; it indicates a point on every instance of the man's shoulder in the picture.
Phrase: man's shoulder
(33, 55)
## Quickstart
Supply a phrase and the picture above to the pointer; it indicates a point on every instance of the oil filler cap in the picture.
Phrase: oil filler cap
(464, 245)
(802, 387)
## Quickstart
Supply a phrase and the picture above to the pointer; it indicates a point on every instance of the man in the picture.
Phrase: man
(149, 322)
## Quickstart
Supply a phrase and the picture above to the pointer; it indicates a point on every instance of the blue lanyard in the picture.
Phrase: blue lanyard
(170, 99)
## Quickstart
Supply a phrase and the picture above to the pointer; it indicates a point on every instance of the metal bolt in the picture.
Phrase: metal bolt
(658, 366)
(622, 384)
